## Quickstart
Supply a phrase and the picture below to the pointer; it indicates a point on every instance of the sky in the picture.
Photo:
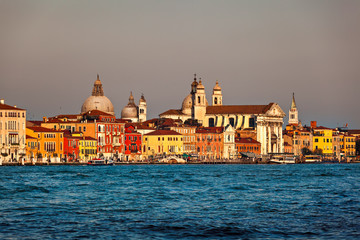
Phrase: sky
(259, 51)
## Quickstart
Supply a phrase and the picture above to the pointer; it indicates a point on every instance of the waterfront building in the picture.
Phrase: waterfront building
(302, 138)
(322, 140)
(210, 142)
(32, 148)
(267, 120)
(102, 126)
(246, 145)
(49, 142)
(87, 148)
(12, 132)
(229, 142)
(189, 137)
(97, 100)
(163, 142)
(349, 143)
(71, 146)
(133, 112)
(132, 143)
(338, 144)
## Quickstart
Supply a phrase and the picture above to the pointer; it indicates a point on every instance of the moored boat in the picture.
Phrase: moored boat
(100, 162)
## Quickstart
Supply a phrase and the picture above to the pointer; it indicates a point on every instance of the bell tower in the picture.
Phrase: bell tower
(217, 95)
(142, 109)
(293, 113)
(200, 103)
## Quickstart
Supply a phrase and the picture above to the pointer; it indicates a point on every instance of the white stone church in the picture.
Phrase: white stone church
(267, 120)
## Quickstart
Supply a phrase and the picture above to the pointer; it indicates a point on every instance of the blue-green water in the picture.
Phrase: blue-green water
(181, 202)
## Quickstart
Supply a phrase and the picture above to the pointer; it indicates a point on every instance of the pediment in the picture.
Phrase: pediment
(275, 111)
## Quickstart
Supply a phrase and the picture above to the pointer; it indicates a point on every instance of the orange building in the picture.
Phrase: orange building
(210, 144)
(247, 145)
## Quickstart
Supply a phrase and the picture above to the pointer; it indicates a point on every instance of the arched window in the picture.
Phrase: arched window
(232, 121)
(215, 100)
(211, 122)
(199, 99)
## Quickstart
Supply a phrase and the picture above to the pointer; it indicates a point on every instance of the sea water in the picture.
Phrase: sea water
(315, 201)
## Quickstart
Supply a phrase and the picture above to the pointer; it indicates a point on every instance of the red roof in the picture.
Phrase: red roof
(29, 137)
(210, 130)
(238, 109)
(172, 112)
(163, 132)
(8, 107)
(246, 141)
(42, 129)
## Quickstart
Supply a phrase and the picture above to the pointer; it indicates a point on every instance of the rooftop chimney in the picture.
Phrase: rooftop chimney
(313, 124)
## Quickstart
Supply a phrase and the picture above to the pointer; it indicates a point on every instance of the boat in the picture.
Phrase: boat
(100, 162)
(283, 160)
(312, 158)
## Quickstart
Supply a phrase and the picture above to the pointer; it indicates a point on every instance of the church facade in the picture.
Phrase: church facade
(267, 120)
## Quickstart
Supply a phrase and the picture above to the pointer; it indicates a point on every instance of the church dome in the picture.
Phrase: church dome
(130, 110)
(187, 104)
(98, 101)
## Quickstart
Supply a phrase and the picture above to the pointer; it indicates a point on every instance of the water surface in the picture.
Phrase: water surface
(181, 202)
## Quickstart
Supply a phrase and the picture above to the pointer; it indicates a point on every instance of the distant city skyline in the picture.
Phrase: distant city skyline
(259, 51)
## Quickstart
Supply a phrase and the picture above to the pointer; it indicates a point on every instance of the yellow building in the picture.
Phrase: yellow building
(349, 144)
(322, 140)
(87, 148)
(50, 143)
(161, 142)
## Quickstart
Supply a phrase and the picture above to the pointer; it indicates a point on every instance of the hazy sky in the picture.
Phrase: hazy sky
(260, 51)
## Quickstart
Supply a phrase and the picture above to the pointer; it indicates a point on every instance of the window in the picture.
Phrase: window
(316, 140)
(84, 129)
(211, 122)
(232, 121)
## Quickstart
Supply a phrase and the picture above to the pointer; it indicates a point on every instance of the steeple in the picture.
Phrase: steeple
(131, 99)
(217, 95)
(98, 89)
(293, 113)
(293, 104)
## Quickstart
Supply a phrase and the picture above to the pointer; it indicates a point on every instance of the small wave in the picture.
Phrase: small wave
(31, 188)
(82, 175)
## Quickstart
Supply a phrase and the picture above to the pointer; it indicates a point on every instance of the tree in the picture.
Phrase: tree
(318, 151)
(306, 151)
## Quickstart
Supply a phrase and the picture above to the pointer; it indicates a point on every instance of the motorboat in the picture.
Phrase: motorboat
(283, 160)
(100, 162)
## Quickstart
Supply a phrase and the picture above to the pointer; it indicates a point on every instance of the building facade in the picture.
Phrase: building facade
(12, 132)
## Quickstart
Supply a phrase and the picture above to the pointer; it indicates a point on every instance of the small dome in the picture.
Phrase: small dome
(200, 85)
(129, 112)
(100, 103)
(142, 99)
(187, 105)
(217, 87)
